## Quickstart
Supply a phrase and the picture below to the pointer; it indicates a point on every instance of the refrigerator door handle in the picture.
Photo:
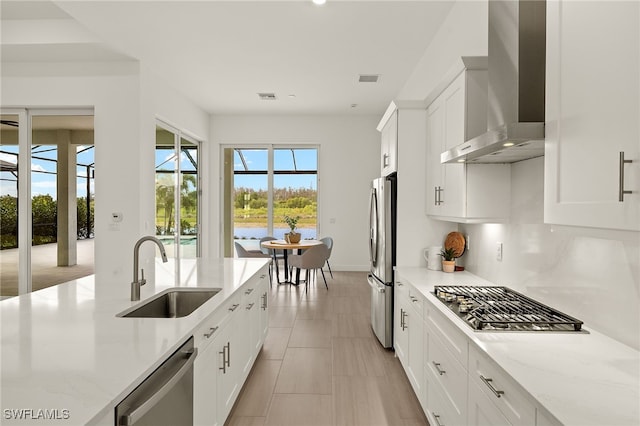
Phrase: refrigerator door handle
(373, 227)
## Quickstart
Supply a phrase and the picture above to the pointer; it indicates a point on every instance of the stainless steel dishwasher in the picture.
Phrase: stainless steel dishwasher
(166, 396)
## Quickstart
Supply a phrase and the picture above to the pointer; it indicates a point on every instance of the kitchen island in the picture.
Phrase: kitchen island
(68, 360)
(570, 378)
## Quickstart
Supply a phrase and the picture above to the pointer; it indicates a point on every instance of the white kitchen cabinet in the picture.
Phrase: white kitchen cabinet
(500, 390)
(408, 340)
(400, 311)
(205, 371)
(592, 110)
(389, 146)
(463, 192)
(482, 412)
(228, 343)
(230, 360)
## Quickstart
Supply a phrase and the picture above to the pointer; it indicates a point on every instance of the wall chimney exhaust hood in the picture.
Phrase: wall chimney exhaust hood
(515, 117)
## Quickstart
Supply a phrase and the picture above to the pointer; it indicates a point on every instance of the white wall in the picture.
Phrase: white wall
(124, 140)
(591, 274)
(463, 33)
(349, 157)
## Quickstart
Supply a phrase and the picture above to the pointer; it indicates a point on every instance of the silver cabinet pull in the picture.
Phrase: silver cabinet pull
(264, 301)
(488, 382)
(250, 306)
(385, 160)
(249, 290)
(262, 276)
(621, 190)
(225, 357)
(403, 319)
(435, 195)
(234, 306)
(437, 366)
(436, 417)
(211, 331)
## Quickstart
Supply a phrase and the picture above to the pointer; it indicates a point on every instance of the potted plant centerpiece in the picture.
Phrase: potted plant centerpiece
(293, 236)
(449, 259)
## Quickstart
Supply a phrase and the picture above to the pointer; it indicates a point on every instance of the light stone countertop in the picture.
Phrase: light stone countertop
(63, 348)
(579, 378)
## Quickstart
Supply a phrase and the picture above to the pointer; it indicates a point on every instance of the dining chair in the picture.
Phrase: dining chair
(328, 241)
(243, 252)
(311, 259)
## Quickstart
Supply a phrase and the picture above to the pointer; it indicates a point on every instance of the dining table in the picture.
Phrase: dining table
(285, 246)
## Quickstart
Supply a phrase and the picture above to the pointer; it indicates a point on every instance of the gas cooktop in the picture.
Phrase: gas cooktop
(503, 309)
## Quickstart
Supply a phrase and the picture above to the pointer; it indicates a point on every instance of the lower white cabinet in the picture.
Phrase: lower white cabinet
(409, 334)
(456, 382)
(228, 344)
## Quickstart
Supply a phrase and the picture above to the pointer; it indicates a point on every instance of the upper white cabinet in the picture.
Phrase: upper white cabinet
(389, 147)
(593, 114)
(463, 192)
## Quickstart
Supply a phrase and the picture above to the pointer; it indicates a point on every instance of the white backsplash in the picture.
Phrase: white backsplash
(591, 274)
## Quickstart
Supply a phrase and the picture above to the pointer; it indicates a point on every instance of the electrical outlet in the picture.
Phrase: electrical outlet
(499, 251)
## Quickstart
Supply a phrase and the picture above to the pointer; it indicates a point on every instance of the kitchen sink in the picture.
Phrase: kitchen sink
(171, 303)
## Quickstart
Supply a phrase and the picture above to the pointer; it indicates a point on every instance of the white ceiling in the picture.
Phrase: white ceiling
(220, 54)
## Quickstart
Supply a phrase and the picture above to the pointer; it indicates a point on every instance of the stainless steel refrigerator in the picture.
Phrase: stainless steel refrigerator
(382, 256)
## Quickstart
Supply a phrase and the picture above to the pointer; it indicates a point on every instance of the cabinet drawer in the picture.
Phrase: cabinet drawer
(440, 411)
(444, 369)
(505, 394)
(452, 338)
(416, 300)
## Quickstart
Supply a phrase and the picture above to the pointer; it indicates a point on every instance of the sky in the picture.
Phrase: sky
(257, 159)
(43, 183)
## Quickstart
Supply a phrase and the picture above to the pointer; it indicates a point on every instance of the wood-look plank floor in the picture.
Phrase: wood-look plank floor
(322, 365)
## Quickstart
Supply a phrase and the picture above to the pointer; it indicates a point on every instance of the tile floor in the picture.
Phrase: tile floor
(322, 365)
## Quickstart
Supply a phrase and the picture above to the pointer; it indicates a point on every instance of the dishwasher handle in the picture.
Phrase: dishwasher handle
(148, 404)
(375, 285)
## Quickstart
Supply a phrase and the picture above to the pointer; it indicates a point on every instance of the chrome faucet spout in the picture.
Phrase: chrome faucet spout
(136, 283)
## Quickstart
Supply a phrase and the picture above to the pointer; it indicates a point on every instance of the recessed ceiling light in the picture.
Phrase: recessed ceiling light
(319, 2)
(508, 144)
(292, 96)
(461, 160)
(354, 105)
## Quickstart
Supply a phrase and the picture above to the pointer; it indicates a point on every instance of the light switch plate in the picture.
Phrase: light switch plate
(499, 251)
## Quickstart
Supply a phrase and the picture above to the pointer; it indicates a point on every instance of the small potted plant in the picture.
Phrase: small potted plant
(293, 236)
(449, 259)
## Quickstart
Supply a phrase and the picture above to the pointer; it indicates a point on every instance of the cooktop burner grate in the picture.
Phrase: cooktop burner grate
(500, 308)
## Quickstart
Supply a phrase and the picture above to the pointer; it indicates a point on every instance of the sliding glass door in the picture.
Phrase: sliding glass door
(47, 160)
(177, 192)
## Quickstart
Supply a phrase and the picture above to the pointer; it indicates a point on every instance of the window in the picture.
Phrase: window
(262, 185)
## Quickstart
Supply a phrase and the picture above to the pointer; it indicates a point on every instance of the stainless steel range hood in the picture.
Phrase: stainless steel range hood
(515, 117)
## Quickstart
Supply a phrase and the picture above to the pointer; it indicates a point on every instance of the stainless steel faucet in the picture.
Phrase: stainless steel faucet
(135, 284)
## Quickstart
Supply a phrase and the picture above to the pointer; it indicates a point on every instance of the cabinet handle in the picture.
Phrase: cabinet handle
(436, 417)
(211, 331)
(403, 315)
(440, 190)
(385, 160)
(249, 290)
(264, 301)
(487, 382)
(228, 354)
(437, 365)
(250, 306)
(621, 190)
(234, 306)
(435, 195)
(262, 276)
(225, 362)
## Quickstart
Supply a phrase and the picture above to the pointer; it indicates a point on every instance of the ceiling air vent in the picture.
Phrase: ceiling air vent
(368, 78)
(267, 96)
